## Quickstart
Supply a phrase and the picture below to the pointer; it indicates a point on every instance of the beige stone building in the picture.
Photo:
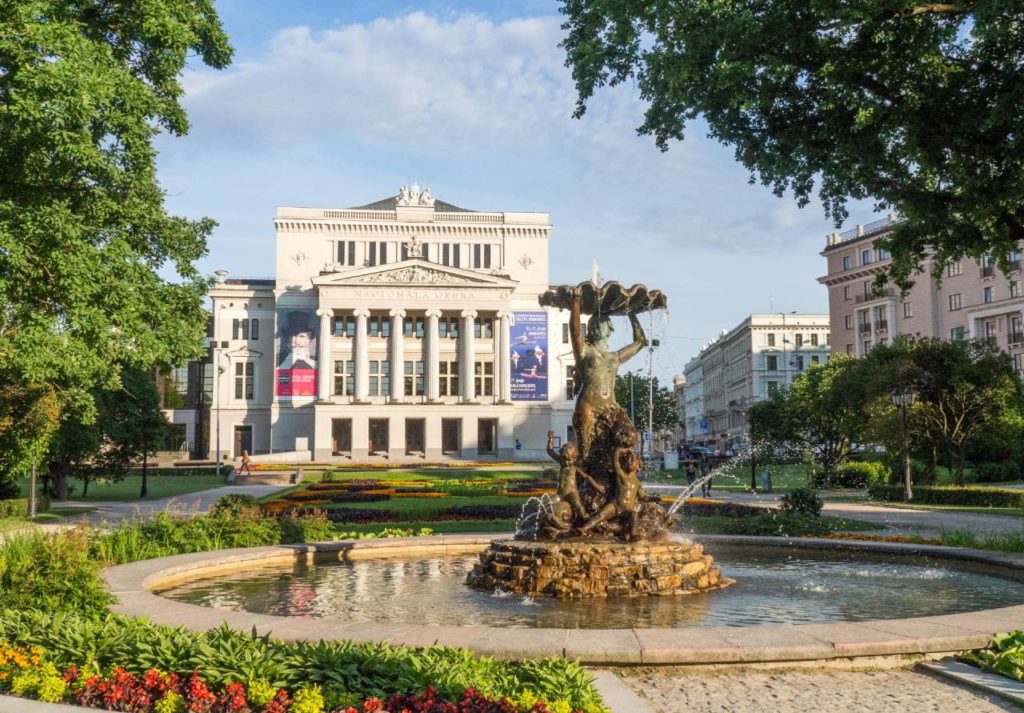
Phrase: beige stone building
(975, 299)
(745, 365)
(404, 329)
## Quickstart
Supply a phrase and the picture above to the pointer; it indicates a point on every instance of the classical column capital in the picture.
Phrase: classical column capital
(469, 314)
(434, 312)
(325, 312)
(504, 313)
(361, 312)
(396, 312)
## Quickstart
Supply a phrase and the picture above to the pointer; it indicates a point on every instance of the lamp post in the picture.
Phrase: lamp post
(901, 398)
(221, 274)
(650, 387)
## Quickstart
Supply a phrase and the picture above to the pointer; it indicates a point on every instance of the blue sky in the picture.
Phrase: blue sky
(335, 104)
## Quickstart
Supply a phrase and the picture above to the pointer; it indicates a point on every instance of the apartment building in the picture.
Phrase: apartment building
(746, 364)
(974, 300)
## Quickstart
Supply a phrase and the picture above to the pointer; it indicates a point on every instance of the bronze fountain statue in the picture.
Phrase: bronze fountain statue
(599, 534)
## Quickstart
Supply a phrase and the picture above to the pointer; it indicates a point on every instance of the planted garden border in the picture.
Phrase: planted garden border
(891, 641)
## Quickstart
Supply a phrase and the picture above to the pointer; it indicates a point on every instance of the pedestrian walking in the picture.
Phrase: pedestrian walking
(691, 472)
(246, 463)
(705, 468)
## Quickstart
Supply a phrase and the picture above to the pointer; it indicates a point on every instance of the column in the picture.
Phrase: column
(362, 356)
(433, 355)
(325, 374)
(972, 331)
(468, 356)
(397, 355)
(504, 359)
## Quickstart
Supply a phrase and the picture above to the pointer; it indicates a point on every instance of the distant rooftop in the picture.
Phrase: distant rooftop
(250, 281)
(392, 203)
(862, 231)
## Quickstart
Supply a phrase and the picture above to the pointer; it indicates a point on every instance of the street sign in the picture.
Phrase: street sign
(703, 424)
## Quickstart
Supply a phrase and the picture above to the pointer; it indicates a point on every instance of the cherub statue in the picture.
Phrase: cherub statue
(568, 490)
(626, 498)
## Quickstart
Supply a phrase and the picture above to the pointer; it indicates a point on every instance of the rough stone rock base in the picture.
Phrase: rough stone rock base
(585, 568)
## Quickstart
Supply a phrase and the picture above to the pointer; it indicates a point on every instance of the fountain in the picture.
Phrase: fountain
(599, 534)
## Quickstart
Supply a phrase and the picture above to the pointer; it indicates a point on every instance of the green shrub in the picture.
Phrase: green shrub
(802, 501)
(312, 526)
(997, 472)
(854, 474)
(223, 656)
(770, 524)
(18, 507)
(234, 505)
(952, 495)
(1005, 656)
(52, 573)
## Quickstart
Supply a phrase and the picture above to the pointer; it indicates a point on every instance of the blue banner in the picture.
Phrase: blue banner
(529, 337)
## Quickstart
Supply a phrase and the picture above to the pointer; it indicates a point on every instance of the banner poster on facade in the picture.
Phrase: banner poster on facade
(529, 337)
(295, 376)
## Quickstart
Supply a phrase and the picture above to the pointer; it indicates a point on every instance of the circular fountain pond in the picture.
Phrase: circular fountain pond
(774, 585)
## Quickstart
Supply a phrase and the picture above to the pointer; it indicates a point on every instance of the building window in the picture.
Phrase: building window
(1016, 330)
(448, 378)
(986, 295)
(1018, 364)
(798, 340)
(867, 288)
(953, 269)
(245, 329)
(345, 326)
(378, 326)
(988, 268)
(346, 252)
(414, 381)
(958, 334)
(814, 339)
(448, 327)
(771, 340)
(413, 327)
(907, 311)
(483, 327)
(483, 371)
(847, 293)
(865, 257)
(798, 362)
(380, 377)
(956, 302)
(570, 382)
(1013, 258)
(849, 349)
(450, 254)
(866, 346)
(772, 362)
(847, 262)
(773, 386)
(883, 254)
(565, 334)
(1015, 288)
(344, 378)
(815, 359)
(849, 321)
(245, 372)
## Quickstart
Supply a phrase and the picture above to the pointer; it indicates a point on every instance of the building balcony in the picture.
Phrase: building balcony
(991, 341)
(988, 271)
(886, 292)
(1014, 265)
(1016, 337)
(865, 328)
(882, 325)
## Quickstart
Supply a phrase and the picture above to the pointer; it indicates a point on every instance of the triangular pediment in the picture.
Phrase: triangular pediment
(414, 271)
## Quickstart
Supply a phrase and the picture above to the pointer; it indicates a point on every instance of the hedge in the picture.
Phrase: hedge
(18, 507)
(952, 495)
(855, 474)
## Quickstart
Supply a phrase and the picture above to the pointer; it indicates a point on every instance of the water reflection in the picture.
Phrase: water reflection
(773, 587)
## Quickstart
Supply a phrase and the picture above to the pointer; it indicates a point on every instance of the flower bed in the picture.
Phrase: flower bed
(126, 664)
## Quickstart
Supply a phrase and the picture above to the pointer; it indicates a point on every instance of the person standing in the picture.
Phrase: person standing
(691, 472)
(705, 468)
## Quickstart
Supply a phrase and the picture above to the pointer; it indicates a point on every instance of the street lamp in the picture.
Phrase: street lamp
(650, 387)
(901, 398)
(217, 369)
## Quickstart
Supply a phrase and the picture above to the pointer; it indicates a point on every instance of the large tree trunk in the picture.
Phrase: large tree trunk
(59, 478)
(145, 462)
(85, 486)
(957, 461)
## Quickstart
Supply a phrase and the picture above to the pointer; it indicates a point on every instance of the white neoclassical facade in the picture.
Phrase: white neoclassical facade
(406, 329)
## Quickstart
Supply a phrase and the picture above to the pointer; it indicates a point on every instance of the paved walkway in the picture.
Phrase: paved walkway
(822, 691)
(908, 521)
(199, 502)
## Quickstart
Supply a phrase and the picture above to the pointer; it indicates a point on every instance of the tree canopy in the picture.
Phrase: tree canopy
(85, 87)
(665, 414)
(914, 105)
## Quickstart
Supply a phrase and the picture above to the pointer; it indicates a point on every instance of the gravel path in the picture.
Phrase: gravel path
(198, 502)
(748, 691)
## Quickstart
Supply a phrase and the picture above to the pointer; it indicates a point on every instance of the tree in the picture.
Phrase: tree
(912, 104)
(821, 412)
(665, 414)
(128, 425)
(28, 415)
(85, 87)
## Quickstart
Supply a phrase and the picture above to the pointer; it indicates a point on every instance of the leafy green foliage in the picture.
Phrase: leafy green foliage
(943, 495)
(51, 573)
(859, 474)
(18, 507)
(665, 414)
(997, 472)
(913, 105)
(1000, 541)
(802, 501)
(85, 240)
(775, 524)
(224, 656)
(1005, 656)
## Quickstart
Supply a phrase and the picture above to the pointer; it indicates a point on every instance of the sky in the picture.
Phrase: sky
(334, 104)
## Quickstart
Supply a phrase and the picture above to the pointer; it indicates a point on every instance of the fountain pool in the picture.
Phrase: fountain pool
(775, 585)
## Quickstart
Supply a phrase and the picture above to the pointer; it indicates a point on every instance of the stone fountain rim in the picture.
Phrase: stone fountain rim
(883, 642)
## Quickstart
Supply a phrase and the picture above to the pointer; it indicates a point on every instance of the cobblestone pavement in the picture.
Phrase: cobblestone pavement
(899, 520)
(821, 691)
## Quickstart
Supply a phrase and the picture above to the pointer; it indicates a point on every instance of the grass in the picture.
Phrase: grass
(784, 477)
(159, 486)
(1008, 512)
(443, 527)
(1000, 541)
(773, 525)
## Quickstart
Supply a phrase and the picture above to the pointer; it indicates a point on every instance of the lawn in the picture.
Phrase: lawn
(764, 525)
(737, 478)
(439, 528)
(160, 486)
